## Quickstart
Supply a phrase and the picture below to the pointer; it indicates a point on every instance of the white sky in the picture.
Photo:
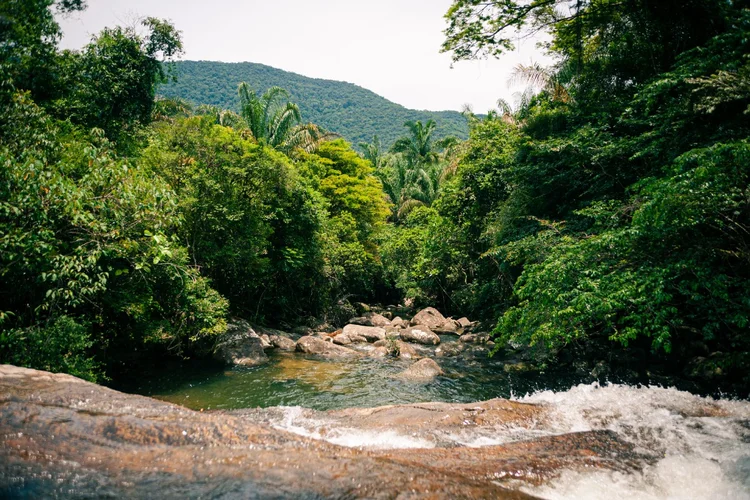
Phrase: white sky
(388, 46)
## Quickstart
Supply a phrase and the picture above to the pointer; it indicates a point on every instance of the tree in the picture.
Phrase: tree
(417, 146)
(111, 84)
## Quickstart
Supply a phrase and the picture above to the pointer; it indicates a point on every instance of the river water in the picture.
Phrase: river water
(699, 447)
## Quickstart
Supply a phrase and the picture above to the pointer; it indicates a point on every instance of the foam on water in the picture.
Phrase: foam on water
(699, 447)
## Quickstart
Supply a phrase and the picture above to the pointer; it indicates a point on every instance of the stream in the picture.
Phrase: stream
(694, 447)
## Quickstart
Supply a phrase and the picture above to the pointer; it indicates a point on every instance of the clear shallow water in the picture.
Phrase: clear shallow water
(293, 379)
(699, 446)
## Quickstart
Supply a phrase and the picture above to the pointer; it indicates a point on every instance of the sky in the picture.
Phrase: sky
(391, 47)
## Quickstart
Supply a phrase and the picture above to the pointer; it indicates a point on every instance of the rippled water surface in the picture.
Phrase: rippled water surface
(293, 379)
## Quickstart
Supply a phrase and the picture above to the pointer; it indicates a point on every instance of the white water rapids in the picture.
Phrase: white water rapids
(702, 444)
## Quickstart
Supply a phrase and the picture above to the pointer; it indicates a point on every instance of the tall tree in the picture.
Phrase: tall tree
(417, 146)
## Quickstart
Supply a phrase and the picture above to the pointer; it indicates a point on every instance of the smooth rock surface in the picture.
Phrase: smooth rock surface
(423, 371)
(240, 345)
(320, 347)
(369, 333)
(63, 437)
(429, 317)
(420, 334)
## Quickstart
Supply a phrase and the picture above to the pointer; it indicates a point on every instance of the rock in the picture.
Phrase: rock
(379, 343)
(370, 333)
(240, 345)
(449, 349)
(463, 322)
(420, 334)
(283, 343)
(319, 347)
(423, 371)
(392, 333)
(430, 317)
(302, 330)
(378, 352)
(360, 320)
(362, 307)
(349, 338)
(450, 326)
(397, 322)
(379, 320)
(61, 437)
(265, 341)
(468, 338)
(406, 351)
(388, 314)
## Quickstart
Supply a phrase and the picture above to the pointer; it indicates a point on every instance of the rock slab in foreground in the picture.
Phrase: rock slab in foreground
(63, 437)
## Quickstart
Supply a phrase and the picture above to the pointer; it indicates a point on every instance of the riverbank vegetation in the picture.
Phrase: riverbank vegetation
(611, 204)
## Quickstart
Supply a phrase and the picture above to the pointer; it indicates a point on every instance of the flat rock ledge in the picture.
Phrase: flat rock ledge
(63, 437)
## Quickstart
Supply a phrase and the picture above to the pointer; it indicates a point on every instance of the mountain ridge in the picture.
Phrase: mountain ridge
(348, 109)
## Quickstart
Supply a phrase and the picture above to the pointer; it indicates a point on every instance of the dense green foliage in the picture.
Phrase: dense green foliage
(615, 202)
(355, 113)
(121, 236)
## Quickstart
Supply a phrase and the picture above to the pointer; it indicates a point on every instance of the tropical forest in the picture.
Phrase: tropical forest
(228, 280)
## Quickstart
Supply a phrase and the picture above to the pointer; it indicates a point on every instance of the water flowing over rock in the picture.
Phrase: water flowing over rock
(423, 371)
(429, 317)
(420, 334)
(240, 345)
(370, 333)
(63, 437)
(323, 348)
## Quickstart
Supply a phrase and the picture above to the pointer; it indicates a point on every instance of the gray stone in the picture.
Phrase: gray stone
(319, 347)
(429, 317)
(398, 322)
(370, 333)
(283, 343)
(240, 345)
(423, 371)
(420, 334)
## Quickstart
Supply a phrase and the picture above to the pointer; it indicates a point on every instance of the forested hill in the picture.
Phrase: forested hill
(347, 109)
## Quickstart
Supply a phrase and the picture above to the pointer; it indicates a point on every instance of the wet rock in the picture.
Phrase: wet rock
(369, 333)
(420, 334)
(265, 341)
(319, 347)
(378, 352)
(423, 371)
(449, 349)
(397, 322)
(240, 345)
(283, 343)
(468, 338)
(429, 317)
(406, 351)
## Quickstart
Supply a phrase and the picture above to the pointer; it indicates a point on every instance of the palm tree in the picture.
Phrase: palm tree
(373, 152)
(417, 146)
(550, 80)
(270, 117)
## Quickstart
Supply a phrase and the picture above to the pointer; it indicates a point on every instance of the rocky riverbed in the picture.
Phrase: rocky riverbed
(63, 437)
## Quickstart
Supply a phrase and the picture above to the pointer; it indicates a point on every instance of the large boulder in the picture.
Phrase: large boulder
(370, 333)
(421, 335)
(240, 345)
(322, 348)
(430, 317)
(423, 371)
(283, 343)
(349, 338)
